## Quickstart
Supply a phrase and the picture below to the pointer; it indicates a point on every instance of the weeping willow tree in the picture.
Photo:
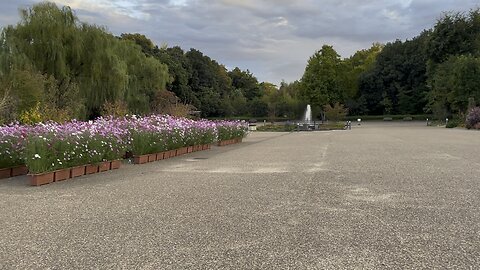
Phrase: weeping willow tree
(78, 67)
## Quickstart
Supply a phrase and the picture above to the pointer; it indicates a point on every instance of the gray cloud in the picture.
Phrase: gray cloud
(271, 38)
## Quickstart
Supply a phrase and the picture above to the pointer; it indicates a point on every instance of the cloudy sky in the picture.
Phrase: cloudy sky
(271, 38)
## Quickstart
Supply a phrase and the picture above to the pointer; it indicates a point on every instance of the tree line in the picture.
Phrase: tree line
(436, 72)
(55, 67)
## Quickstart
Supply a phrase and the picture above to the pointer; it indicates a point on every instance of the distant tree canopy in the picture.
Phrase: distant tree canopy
(55, 67)
(53, 59)
(436, 72)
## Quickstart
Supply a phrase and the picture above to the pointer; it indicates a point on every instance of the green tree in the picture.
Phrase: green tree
(245, 82)
(361, 62)
(398, 78)
(148, 48)
(321, 80)
(336, 112)
(455, 82)
(83, 65)
(270, 97)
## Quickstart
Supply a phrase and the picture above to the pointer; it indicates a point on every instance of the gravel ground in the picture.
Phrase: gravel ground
(382, 195)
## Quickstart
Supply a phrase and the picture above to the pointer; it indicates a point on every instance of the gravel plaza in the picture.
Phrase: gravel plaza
(380, 196)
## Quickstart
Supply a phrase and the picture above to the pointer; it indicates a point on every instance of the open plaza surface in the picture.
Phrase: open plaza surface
(382, 195)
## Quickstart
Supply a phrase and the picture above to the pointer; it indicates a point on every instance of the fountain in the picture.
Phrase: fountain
(306, 123)
(308, 115)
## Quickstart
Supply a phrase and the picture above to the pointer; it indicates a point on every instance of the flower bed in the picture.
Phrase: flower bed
(12, 147)
(231, 132)
(167, 137)
(56, 152)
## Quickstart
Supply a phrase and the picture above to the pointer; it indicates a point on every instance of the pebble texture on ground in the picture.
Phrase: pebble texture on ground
(396, 196)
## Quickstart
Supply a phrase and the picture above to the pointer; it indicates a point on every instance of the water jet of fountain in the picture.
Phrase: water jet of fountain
(308, 115)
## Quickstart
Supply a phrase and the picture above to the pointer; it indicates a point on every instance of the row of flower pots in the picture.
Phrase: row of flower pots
(14, 171)
(64, 174)
(228, 142)
(142, 159)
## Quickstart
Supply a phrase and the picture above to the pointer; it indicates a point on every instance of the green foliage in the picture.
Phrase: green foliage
(321, 80)
(39, 158)
(335, 113)
(258, 108)
(397, 83)
(11, 154)
(74, 67)
(54, 151)
(454, 34)
(419, 117)
(455, 82)
(245, 82)
(277, 128)
(362, 61)
(230, 132)
(332, 126)
(148, 142)
(453, 123)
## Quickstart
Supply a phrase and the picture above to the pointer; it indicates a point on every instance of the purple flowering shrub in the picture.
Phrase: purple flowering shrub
(12, 145)
(51, 146)
(231, 129)
(473, 118)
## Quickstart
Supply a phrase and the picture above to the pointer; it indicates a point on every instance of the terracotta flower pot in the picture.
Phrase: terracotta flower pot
(115, 164)
(91, 169)
(104, 166)
(128, 154)
(5, 173)
(160, 156)
(140, 159)
(20, 170)
(61, 175)
(41, 178)
(77, 171)
(152, 157)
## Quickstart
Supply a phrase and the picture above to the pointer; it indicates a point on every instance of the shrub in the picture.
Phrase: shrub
(51, 146)
(335, 113)
(12, 145)
(277, 128)
(231, 129)
(473, 118)
(116, 109)
(453, 123)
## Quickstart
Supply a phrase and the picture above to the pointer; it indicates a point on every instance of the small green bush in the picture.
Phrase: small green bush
(453, 123)
(277, 128)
